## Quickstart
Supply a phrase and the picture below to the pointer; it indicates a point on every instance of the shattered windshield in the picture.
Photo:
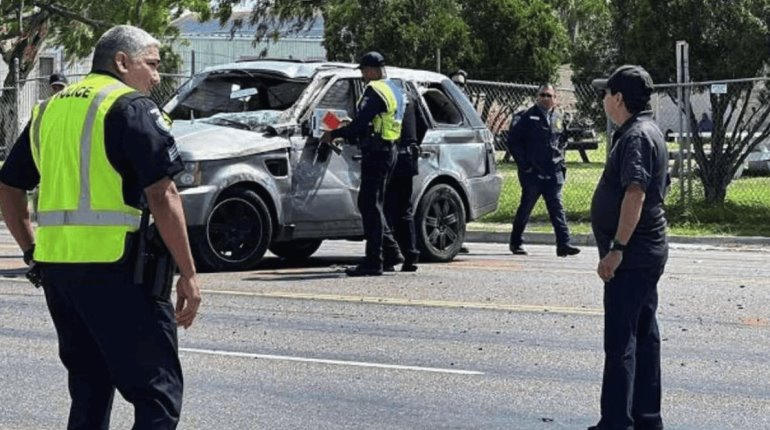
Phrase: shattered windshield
(221, 94)
(255, 121)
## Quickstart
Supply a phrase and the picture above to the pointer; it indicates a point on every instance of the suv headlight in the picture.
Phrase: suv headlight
(191, 176)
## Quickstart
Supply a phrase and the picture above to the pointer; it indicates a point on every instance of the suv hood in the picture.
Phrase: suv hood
(199, 141)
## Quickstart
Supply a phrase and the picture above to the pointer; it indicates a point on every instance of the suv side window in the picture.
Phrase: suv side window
(339, 96)
(442, 108)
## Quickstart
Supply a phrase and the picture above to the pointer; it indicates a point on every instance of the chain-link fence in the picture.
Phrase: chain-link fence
(718, 136)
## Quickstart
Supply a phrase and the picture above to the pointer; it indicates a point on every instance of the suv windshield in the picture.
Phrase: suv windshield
(221, 92)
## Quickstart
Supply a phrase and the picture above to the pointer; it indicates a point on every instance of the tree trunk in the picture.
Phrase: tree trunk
(715, 177)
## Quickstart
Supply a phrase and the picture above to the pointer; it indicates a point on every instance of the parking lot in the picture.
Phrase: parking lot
(486, 342)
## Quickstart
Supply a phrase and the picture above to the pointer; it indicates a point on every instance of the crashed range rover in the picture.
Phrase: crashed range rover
(257, 177)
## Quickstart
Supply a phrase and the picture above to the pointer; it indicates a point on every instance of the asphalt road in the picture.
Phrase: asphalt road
(490, 341)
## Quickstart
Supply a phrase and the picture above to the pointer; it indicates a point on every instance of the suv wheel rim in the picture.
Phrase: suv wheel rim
(233, 230)
(441, 223)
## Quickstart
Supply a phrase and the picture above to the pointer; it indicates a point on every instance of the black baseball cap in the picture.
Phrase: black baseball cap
(632, 81)
(371, 59)
(57, 79)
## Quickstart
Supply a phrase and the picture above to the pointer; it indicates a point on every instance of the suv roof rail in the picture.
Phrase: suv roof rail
(246, 58)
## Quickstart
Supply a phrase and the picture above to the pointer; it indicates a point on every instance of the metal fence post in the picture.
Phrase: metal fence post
(18, 86)
(681, 58)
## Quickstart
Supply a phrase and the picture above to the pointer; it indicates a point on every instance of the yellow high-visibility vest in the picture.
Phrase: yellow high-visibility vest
(388, 124)
(81, 215)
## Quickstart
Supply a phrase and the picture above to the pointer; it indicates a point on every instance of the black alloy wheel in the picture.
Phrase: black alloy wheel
(440, 224)
(237, 232)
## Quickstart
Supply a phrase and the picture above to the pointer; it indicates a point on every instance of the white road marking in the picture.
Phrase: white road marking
(324, 361)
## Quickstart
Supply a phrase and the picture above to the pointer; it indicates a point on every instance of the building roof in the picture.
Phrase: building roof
(189, 26)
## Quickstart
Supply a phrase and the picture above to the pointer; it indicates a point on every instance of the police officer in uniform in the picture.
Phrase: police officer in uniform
(57, 82)
(628, 223)
(377, 127)
(94, 149)
(398, 197)
(536, 145)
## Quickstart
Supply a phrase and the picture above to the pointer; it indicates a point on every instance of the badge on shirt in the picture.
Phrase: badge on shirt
(162, 121)
(363, 102)
(536, 118)
(558, 124)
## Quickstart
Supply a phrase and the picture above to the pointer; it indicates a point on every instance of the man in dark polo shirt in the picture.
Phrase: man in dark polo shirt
(630, 230)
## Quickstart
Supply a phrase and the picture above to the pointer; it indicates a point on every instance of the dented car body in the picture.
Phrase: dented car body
(256, 178)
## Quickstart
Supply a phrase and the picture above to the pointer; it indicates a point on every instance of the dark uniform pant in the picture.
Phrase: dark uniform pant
(398, 208)
(114, 335)
(532, 187)
(376, 167)
(631, 384)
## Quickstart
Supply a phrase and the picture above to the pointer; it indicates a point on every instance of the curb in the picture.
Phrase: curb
(588, 239)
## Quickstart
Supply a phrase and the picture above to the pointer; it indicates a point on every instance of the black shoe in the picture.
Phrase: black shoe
(517, 249)
(392, 261)
(567, 249)
(388, 268)
(463, 250)
(362, 270)
(409, 266)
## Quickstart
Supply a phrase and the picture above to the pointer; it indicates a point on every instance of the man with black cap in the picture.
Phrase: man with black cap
(377, 127)
(460, 78)
(630, 230)
(57, 82)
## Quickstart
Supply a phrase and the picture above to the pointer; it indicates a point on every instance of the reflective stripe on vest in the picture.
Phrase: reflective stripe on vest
(81, 214)
(388, 124)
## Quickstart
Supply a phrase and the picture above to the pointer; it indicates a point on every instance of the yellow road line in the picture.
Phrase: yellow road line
(412, 302)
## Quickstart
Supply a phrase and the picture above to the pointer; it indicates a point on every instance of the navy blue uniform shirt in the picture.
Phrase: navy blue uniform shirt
(138, 144)
(370, 105)
(638, 155)
(535, 142)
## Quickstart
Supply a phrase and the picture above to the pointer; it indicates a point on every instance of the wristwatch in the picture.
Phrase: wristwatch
(617, 246)
(29, 255)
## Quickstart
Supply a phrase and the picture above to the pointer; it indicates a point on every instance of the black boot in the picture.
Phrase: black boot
(389, 263)
(409, 264)
(566, 249)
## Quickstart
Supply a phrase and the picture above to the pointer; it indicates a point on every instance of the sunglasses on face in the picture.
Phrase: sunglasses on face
(546, 95)
(601, 93)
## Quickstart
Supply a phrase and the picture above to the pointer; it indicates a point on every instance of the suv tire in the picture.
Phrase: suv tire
(295, 250)
(237, 232)
(440, 224)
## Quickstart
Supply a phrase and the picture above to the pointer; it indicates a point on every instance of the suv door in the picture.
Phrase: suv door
(324, 184)
(463, 150)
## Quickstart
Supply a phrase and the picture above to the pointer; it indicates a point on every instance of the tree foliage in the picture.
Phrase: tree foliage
(491, 39)
(407, 36)
(575, 14)
(727, 39)
(518, 40)
(74, 25)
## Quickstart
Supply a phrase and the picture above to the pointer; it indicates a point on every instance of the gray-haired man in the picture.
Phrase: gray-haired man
(94, 149)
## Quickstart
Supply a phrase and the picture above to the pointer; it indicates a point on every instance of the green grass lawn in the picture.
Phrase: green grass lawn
(745, 213)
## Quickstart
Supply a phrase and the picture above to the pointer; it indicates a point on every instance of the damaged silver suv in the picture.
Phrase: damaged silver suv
(257, 178)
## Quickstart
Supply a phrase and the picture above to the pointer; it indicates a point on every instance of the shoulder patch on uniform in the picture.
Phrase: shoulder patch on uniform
(160, 120)
(173, 152)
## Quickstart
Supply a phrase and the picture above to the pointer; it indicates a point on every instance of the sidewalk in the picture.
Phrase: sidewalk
(500, 233)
